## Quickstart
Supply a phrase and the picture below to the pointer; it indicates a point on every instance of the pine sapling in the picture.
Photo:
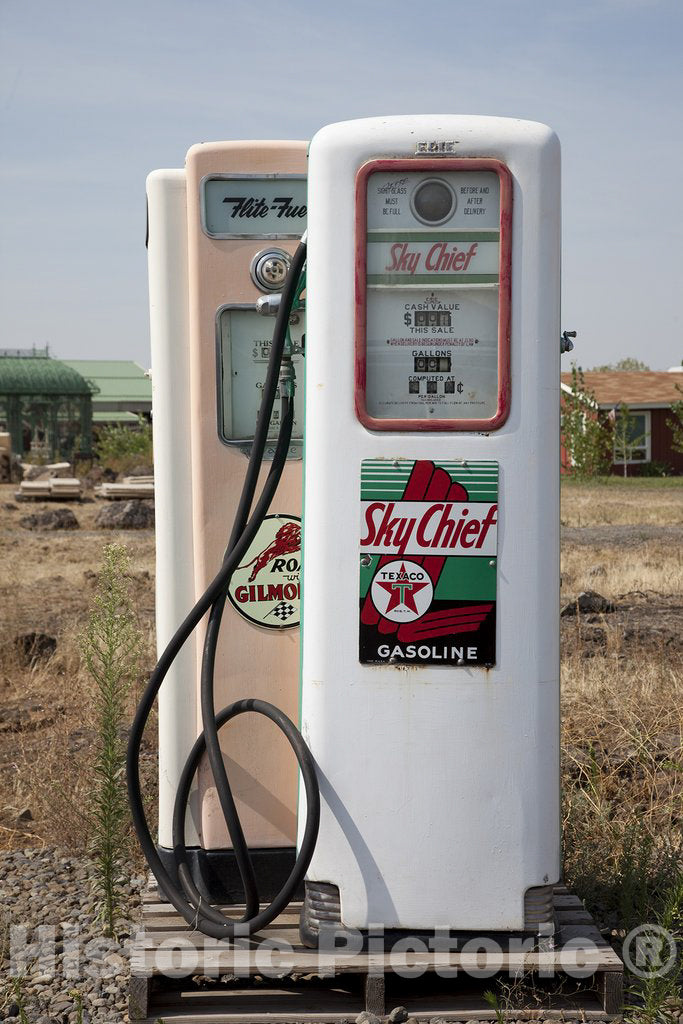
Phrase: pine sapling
(111, 647)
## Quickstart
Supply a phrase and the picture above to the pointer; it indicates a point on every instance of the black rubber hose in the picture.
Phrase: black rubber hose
(223, 790)
(201, 915)
(268, 397)
(282, 899)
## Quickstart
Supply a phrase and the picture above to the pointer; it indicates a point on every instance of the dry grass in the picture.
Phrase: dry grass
(654, 565)
(47, 585)
(622, 699)
(46, 775)
(623, 706)
(623, 738)
(622, 729)
(49, 768)
(623, 502)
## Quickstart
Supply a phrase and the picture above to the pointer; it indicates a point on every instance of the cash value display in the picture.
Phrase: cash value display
(433, 294)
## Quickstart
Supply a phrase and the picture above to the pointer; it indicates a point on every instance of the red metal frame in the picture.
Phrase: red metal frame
(459, 164)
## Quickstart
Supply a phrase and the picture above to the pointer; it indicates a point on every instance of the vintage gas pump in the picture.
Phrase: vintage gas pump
(221, 235)
(430, 694)
(429, 747)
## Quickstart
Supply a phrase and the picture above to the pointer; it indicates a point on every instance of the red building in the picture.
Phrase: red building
(649, 396)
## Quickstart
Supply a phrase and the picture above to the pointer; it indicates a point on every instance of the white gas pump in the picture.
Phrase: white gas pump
(430, 694)
(430, 653)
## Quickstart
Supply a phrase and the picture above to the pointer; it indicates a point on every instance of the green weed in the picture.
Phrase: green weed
(111, 647)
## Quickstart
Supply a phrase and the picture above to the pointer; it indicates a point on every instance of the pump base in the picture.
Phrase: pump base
(321, 925)
(217, 877)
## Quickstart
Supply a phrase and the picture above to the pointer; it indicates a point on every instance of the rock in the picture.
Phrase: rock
(367, 1018)
(398, 1015)
(61, 1003)
(670, 742)
(13, 1010)
(32, 472)
(50, 519)
(24, 716)
(588, 601)
(9, 506)
(135, 514)
(141, 471)
(98, 475)
(33, 647)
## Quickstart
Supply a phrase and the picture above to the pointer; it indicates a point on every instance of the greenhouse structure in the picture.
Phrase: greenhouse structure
(45, 405)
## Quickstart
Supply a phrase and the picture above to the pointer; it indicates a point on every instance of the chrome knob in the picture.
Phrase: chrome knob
(269, 269)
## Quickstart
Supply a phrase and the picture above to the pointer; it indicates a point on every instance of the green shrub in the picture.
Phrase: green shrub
(587, 437)
(655, 469)
(675, 424)
(125, 448)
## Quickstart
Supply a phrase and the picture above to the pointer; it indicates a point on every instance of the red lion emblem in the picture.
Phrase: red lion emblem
(287, 539)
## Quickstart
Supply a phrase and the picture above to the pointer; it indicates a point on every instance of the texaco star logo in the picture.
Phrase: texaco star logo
(402, 591)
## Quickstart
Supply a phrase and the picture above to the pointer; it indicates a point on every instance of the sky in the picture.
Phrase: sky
(93, 96)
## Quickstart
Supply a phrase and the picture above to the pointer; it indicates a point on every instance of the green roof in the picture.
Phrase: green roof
(116, 380)
(40, 375)
(115, 417)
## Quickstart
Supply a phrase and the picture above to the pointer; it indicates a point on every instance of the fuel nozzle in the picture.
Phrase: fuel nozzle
(566, 343)
(268, 305)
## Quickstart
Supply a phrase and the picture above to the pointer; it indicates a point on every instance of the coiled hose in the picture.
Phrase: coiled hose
(187, 900)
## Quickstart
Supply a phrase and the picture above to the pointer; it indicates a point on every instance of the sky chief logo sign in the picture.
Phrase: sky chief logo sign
(428, 562)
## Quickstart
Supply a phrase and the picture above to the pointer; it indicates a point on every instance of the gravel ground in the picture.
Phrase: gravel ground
(62, 949)
(45, 893)
(58, 947)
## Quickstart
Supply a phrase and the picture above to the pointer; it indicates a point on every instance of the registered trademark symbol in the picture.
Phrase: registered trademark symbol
(649, 951)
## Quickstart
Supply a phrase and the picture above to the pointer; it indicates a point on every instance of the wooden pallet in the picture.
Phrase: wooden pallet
(180, 975)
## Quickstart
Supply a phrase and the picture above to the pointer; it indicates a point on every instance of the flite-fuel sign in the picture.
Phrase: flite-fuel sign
(428, 542)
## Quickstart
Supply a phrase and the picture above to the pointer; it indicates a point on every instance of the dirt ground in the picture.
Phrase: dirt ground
(624, 539)
(48, 582)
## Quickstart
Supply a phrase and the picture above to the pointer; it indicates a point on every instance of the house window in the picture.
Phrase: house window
(632, 445)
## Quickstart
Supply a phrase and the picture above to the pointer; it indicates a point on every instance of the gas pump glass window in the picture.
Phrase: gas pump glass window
(433, 336)
(244, 341)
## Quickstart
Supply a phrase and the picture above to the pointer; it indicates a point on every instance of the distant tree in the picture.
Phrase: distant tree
(627, 364)
(587, 437)
(626, 437)
(675, 425)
